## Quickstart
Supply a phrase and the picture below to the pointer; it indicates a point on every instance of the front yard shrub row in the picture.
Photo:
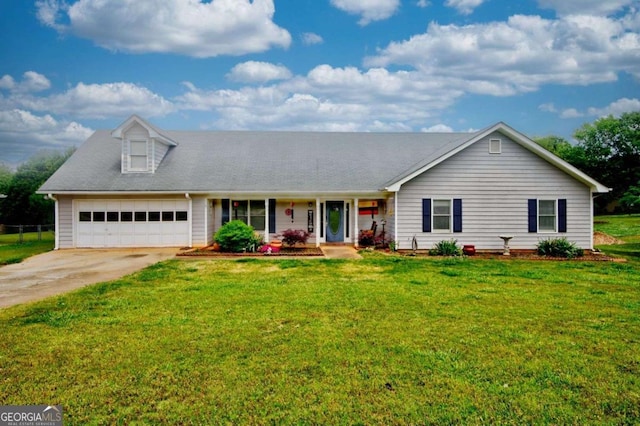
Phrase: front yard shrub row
(446, 248)
(236, 236)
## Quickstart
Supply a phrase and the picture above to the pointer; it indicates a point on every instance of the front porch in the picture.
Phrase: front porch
(330, 221)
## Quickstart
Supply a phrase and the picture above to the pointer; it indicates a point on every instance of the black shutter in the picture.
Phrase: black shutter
(457, 215)
(225, 210)
(272, 215)
(533, 215)
(562, 215)
(426, 215)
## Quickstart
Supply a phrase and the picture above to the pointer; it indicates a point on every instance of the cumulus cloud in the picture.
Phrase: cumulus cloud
(519, 55)
(438, 128)
(369, 10)
(423, 3)
(31, 82)
(185, 27)
(311, 38)
(466, 7)
(258, 72)
(98, 101)
(23, 133)
(616, 108)
(585, 7)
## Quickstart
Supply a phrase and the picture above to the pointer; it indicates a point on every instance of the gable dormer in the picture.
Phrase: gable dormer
(143, 146)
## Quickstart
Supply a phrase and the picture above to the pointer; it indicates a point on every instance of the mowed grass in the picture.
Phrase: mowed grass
(625, 228)
(12, 251)
(383, 340)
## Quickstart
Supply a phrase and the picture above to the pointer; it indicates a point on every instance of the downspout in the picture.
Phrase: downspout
(190, 214)
(56, 225)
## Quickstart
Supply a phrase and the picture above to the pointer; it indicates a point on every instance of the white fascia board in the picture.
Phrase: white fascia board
(154, 132)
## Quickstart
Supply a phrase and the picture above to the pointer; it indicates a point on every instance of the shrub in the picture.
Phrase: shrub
(291, 237)
(559, 247)
(446, 248)
(235, 236)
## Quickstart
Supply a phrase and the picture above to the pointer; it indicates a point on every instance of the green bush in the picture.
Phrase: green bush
(559, 247)
(235, 236)
(446, 248)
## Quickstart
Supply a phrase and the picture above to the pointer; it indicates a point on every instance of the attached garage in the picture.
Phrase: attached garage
(131, 223)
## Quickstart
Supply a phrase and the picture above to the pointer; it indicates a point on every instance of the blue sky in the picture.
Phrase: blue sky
(544, 67)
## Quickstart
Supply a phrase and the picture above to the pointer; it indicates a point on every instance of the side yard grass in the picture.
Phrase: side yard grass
(383, 340)
(625, 228)
(12, 251)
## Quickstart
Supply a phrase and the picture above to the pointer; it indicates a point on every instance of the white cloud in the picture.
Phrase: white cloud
(185, 27)
(519, 55)
(311, 38)
(587, 7)
(31, 82)
(98, 101)
(466, 7)
(548, 107)
(438, 128)
(423, 3)
(23, 133)
(616, 108)
(369, 10)
(571, 113)
(258, 72)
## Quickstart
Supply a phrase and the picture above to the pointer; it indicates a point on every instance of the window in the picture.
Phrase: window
(441, 215)
(112, 216)
(546, 215)
(181, 216)
(250, 212)
(167, 216)
(154, 216)
(85, 216)
(138, 155)
(495, 146)
(141, 216)
(98, 216)
(126, 216)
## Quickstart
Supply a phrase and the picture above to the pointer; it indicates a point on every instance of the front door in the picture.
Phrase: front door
(335, 221)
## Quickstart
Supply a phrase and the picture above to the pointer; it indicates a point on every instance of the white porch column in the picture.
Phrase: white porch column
(396, 230)
(317, 221)
(267, 231)
(355, 222)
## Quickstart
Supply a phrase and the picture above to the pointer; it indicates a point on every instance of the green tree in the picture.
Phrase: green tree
(612, 153)
(23, 205)
(631, 199)
(572, 154)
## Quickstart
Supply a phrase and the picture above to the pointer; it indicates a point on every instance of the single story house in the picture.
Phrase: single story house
(141, 186)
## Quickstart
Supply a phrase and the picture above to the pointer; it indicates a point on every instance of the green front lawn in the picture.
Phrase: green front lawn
(12, 251)
(382, 340)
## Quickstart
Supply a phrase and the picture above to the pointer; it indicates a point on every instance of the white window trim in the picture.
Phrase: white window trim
(491, 146)
(266, 212)
(130, 168)
(433, 216)
(555, 217)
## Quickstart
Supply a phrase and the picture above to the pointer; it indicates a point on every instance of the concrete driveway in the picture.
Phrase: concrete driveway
(60, 271)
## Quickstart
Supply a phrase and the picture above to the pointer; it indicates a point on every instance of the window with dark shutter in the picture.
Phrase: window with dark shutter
(272, 215)
(457, 215)
(533, 215)
(562, 215)
(225, 211)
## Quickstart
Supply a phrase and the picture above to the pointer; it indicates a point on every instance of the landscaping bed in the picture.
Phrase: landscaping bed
(210, 251)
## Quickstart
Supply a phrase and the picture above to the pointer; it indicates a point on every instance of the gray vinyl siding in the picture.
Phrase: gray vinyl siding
(494, 189)
(65, 222)
(211, 221)
(159, 150)
(198, 225)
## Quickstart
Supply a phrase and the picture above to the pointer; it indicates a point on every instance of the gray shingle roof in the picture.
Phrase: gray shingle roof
(247, 161)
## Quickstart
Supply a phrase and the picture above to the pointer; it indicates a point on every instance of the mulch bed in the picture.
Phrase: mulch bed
(527, 255)
(285, 251)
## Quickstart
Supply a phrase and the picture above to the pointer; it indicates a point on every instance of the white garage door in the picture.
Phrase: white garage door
(131, 223)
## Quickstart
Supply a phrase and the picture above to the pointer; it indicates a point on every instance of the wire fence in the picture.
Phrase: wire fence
(27, 232)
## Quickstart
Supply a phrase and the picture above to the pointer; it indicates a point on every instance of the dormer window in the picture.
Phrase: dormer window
(138, 154)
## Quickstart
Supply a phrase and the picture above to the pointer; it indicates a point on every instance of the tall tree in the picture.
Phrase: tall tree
(612, 153)
(22, 205)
